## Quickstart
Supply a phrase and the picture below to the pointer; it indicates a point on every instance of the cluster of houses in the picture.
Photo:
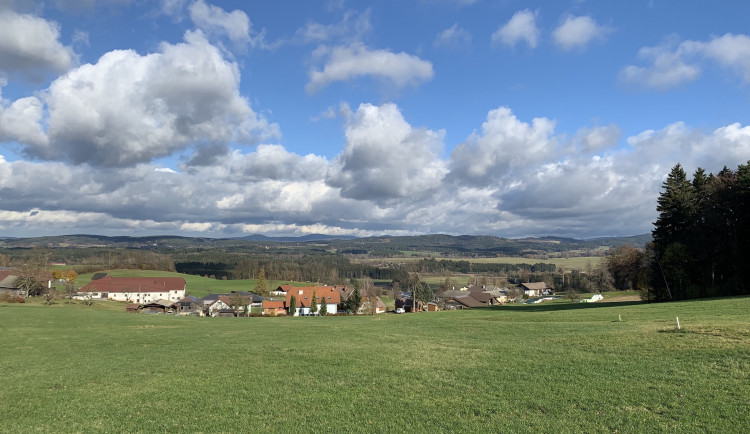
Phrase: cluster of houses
(168, 295)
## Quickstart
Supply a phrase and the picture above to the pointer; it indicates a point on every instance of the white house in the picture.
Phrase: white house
(303, 297)
(135, 289)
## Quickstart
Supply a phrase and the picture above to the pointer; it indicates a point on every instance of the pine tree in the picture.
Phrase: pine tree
(354, 301)
(292, 305)
(323, 308)
(314, 303)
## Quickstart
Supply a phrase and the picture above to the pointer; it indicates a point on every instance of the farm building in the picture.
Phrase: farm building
(274, 307)
(136, 289)
(535, 289)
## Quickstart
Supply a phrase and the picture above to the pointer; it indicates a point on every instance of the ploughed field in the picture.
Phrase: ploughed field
(556, 368)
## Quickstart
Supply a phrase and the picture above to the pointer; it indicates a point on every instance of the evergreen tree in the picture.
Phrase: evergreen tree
(323, 308)
(314, 303)
(261, 287)
(354, 301)
(292, 305)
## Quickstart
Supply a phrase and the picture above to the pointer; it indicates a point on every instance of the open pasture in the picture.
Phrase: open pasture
(552, 368)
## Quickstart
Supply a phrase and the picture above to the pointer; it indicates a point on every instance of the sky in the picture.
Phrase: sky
(340, 117)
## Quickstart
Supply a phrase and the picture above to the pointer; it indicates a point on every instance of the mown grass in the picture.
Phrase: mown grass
(196, 285)
(551, 368)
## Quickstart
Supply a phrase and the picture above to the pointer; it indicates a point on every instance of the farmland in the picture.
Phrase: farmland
(560, 367)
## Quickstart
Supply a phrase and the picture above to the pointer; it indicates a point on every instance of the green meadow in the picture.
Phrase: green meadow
(558, 367)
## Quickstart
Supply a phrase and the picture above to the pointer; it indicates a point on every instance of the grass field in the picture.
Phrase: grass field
(550, 368)
(196, 285)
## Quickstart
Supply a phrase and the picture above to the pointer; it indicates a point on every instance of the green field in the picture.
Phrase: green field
(544, 368)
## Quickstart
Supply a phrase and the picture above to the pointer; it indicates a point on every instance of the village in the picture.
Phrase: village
(169, 295)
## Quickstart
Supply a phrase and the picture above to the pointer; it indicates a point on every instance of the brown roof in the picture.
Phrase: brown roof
(468, 301)
(135, 284)
(303, 299)
(536, 285)
(482, 297)
(274, 304)
(284, 288)
(344, 291)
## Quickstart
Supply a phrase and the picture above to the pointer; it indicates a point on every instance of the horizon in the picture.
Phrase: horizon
(222, 119)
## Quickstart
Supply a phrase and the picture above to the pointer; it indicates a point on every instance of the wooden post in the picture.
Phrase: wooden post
(619, 317)
(678, 322)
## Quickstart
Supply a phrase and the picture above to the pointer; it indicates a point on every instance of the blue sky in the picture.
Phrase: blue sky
(227, 118)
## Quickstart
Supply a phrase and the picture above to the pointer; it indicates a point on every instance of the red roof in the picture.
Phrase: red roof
(303, 295)
(135, 284)
(274, 304)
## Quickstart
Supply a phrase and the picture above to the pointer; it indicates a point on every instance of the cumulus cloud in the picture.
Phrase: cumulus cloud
(127, 108)
(21, 120)
(505, 143)
(30, 46)
(521, 27)
(344, 63)
(675, 63)
(577, 32)
(454, 36)
(386, 158)
(597, 138)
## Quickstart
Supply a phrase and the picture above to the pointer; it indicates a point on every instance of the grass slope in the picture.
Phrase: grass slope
(551, 368)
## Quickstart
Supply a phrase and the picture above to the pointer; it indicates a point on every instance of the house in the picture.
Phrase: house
(344, 293)
(462, 302)
(371, 305)
(303, 296)
(281, 290)
(432, 307)
(274, 307)
(249, 299)
(9, 286)
(190, 305)
(221, 303)
(135, 289)
(534, 289)
(157, 306)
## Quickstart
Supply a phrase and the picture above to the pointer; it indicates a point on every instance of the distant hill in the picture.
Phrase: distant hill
(384, 246)
(302, 239)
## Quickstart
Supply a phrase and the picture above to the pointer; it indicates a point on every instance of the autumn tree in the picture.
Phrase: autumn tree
(624, 264)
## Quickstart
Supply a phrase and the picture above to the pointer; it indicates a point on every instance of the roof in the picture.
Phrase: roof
(8, 277)
(274, 304)
(482, 297)
(344, 291)
(98, 276)
(132, 306)
(468, 301)
(536, 285)
(284, 288)
(303, 295)
(135, 284)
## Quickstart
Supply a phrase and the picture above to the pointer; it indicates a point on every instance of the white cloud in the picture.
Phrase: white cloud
(673, 64)
(597, 138)
(454, 36)
(505, 143)
(345, 63)
(213, 19)
(521, 27)
(21, 120)
(127, 108)
(30, 46)
(352, 28)
(577, 32)
(385, 158)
